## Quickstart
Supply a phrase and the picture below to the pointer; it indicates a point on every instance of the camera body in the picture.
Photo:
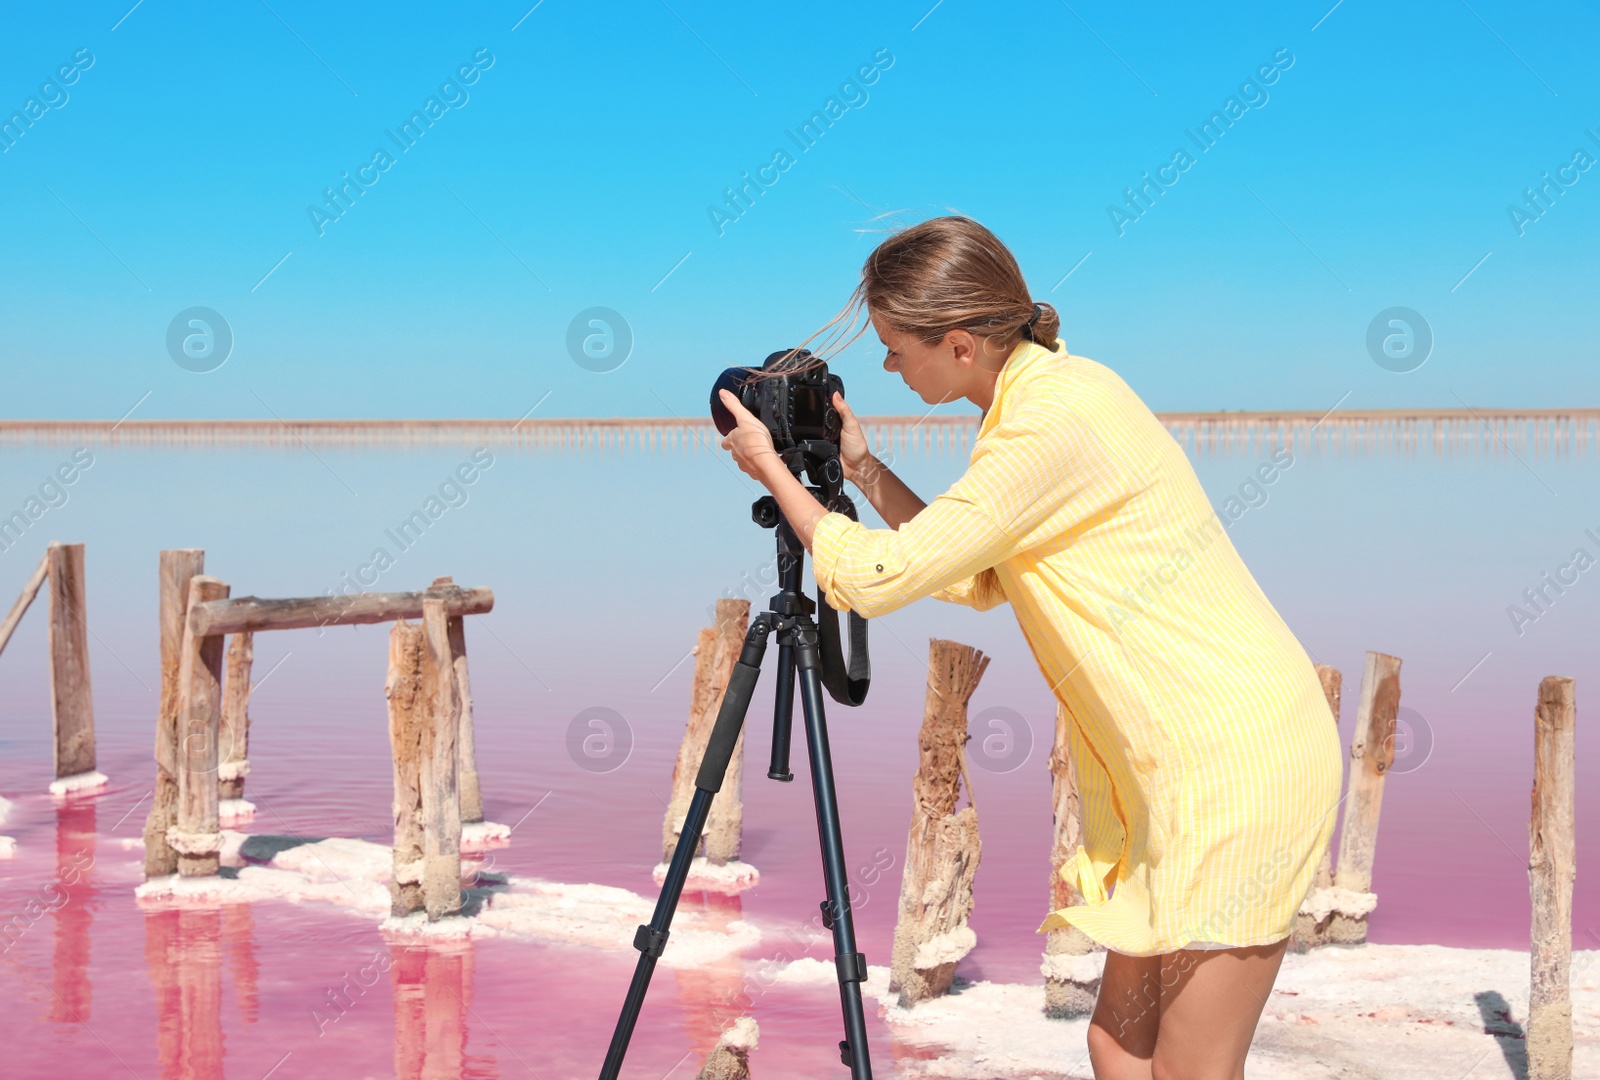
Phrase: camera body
(793, 397)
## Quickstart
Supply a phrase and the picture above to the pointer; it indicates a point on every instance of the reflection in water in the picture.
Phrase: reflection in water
(432, 1003)
(71, 895)
(183, 949)
(714, 995)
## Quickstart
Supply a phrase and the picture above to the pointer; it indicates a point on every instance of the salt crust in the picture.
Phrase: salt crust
(5, 809)
(1082, 969)
(1347, 902)
(235, 811)
(742, 1035)
(945, 948)
(482, 835)
(1368, 1011)
(233, 770)
(78, 784)
(732, 877)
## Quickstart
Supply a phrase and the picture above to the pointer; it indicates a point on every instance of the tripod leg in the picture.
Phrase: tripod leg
(851, 965)
(651, 939)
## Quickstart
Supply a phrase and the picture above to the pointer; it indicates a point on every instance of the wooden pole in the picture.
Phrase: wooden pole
(408, 716)
(1070, 985)
(251, 613)
(730, 1058)
(716, 651)
(29, 591)
(1315, 917)
(177, 568)
(1371, 754)
(197, 837)
(441, 802)
(466, 742)
(1332, 689)
(235, 739)
(71, 702)
(1552, 865)
(942, 850)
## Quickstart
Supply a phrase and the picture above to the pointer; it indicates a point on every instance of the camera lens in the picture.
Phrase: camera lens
(732, 380)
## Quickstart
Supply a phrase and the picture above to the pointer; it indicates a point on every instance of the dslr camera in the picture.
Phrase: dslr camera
(792, 394)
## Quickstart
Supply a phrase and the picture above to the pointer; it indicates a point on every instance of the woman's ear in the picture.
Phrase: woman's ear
(963, 346)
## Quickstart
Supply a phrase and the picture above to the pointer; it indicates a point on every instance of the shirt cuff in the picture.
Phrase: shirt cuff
(828, 539)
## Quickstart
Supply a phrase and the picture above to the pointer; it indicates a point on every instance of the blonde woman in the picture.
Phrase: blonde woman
(1207, 769)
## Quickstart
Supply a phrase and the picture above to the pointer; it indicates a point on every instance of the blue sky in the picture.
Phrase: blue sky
(578, 168)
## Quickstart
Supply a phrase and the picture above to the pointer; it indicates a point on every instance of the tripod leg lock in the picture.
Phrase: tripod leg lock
(852, 967)
(651, 942)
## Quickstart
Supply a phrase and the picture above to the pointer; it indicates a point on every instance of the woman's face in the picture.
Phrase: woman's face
(930, 370)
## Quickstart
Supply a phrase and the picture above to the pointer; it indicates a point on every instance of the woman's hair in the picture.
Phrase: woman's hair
(947, 273)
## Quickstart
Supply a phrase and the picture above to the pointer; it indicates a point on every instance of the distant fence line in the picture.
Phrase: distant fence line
(1489, 432)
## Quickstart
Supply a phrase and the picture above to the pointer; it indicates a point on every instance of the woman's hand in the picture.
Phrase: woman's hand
(750, 443)
(860, 467)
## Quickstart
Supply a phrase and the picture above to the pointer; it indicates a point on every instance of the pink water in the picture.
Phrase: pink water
(594, 609)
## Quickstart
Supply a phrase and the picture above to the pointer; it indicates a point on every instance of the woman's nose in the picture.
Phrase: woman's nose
(890, 363)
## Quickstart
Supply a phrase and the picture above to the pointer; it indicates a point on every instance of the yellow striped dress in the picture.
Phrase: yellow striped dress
(1207, 765)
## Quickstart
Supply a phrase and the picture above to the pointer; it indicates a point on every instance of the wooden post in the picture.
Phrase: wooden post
(197, 837)
(408, 714)
(71, 703)
(1071, 983)
(1371, 754)
(716, 651)
(1552, 865)
(466, 742)
(441, 801)
(235, 740)
(29, 591)
(730, 1059)
(1312, 922)
(942, 850)
(177, 568)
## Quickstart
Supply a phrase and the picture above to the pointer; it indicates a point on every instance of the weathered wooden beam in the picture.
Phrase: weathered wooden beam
(1552, 865)
(234, 750)
(1332, 691)
(197, 837)
(466, 740)
(1371, 754)
(29, 591)
(1313, 922)
(408, 713)
(253, 613)
(71, 701)
(1072, 980)
(716, 651)
(441, 799)
(942, 849)
(177, 569)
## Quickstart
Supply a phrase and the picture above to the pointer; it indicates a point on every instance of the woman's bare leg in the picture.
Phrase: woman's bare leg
(1122, 1031)
(1211, 1000)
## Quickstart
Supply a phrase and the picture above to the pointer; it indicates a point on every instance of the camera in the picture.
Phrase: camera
(793, 397)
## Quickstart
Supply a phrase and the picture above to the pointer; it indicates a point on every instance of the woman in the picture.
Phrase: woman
(1206, 765)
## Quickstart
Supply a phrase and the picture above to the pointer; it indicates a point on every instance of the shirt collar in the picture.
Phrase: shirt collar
(1025, 357)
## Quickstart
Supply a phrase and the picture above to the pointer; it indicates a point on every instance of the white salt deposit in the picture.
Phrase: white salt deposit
(742, 1035)
(235, 811)
(8, 847)
(78, 783)
(131, 843)
(338, 858)
(482, 835)
(1323, 902)
(605, 917)
(1064, 967)
(945, 948)
(416, 927)
(731, 877)
(5, 809)
(1365, 1011)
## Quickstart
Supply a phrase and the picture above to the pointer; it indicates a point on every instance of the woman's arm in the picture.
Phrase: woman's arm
(888, 494)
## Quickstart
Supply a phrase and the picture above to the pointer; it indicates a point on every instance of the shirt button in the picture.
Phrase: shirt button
(880, 567)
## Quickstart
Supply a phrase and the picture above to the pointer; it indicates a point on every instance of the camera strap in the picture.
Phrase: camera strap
(846, 684)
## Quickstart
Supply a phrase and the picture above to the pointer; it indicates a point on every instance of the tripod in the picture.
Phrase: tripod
(802, 652)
